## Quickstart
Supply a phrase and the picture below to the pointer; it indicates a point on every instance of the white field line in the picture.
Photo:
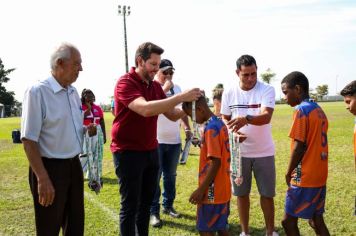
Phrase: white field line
(105, 209)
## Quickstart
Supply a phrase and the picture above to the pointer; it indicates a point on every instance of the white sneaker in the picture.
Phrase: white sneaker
(274, 233)
(244, 234)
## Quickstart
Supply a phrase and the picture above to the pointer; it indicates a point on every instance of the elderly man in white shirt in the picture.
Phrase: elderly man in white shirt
(52, 132)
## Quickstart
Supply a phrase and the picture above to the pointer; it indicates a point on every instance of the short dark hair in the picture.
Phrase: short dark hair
(146, 49)
(84, 93)
(245, 60)
(201, 102)
(296, 78)
(217, 93)
(349, 90)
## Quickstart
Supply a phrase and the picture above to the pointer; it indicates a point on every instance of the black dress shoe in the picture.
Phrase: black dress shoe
(171, 211)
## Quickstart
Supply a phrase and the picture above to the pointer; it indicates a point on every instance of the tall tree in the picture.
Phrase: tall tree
(6, 97)
(268, 75)
(322, 90)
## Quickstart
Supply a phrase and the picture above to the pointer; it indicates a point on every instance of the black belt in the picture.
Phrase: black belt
(61, 159)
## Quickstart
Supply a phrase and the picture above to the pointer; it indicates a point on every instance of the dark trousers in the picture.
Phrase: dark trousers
(67, 210)
(137, 173)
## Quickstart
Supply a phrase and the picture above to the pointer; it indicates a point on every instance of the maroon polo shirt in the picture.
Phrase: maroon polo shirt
(131, 131)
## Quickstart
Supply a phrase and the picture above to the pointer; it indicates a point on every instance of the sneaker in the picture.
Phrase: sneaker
(244, 234)
(171, 211)
(155, 221)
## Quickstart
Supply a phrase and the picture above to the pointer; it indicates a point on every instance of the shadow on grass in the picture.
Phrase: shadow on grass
(181, 226)
(187, 217)
(235, 229)
(110, 180)
(105, 180)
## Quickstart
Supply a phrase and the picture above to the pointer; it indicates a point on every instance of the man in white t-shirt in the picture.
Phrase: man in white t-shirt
(248, 108)
(169, 140)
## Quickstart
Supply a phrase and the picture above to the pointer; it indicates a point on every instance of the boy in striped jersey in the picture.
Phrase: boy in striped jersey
(349, 94)
(214, 192)
(308, 165)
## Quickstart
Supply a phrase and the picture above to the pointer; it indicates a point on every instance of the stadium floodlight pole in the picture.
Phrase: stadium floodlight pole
(125, 11)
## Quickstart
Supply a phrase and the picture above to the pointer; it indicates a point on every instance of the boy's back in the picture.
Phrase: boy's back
(310, 126)
(215, 143)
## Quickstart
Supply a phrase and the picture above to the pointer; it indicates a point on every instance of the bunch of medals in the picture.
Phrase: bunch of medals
(196, 141)
(236, 159)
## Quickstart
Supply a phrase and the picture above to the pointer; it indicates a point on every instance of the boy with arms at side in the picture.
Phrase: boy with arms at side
(214, 191)
(308, 166)
(349, 94)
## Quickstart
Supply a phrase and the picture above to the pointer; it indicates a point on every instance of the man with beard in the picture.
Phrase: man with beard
(138, 102)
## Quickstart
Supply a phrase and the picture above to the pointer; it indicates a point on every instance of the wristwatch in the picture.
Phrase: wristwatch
(249, 118)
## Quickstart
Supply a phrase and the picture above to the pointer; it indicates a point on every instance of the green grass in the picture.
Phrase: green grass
(17, 214)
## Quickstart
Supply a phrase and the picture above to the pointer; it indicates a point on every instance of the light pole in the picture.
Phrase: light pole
(125, 11)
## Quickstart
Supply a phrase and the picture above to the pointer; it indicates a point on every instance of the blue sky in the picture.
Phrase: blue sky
(203, 39)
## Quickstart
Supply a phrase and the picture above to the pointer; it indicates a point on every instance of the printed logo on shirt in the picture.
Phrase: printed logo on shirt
(245, 106)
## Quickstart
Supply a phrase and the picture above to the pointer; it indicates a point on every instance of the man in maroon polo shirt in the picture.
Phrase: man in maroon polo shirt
(138, 102)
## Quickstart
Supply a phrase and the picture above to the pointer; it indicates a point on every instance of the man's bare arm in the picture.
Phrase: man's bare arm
(156, 107)
(263, 118)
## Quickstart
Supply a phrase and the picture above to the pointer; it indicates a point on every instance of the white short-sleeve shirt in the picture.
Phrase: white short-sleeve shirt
(168, 132)
(237, 102)
(52, 117)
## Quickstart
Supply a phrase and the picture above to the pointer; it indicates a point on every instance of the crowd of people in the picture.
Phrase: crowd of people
(63, 135)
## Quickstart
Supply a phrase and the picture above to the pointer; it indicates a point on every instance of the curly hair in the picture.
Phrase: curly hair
(84, 93)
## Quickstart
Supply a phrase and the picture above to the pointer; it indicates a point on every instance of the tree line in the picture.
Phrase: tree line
(7, 98)
(13, 107)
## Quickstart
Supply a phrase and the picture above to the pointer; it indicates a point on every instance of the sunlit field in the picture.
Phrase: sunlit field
(102, 210)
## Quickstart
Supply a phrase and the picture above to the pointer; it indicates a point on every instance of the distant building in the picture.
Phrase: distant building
(332, 98)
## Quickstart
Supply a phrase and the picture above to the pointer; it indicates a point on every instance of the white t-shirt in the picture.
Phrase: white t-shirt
(168, 132)
(237, 102)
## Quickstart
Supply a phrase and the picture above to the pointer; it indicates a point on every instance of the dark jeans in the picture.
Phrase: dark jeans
(137, 173)
(168, 161)
(67, 210)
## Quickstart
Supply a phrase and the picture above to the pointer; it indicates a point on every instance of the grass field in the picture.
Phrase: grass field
(16, 207)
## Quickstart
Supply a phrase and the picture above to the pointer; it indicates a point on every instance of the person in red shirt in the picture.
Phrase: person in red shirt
(308, 165)
(214, 191)
(92, 155)
(92, 112)
(349, 94)
(138, 102)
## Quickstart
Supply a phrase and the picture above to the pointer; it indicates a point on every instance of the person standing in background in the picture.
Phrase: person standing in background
(169, 148)
(217, 94)
(93, 147)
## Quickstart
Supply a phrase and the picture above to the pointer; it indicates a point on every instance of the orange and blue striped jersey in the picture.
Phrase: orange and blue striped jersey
(215, 143)
(310, 126)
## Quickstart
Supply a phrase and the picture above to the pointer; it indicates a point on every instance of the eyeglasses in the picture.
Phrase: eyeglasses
(168, 72)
